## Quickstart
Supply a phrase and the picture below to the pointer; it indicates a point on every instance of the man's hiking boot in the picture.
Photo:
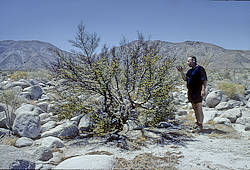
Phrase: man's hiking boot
(197, 128)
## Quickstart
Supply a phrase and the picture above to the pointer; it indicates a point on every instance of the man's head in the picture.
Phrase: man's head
(192, 61)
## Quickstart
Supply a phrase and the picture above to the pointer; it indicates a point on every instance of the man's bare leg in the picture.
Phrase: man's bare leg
(198, 113)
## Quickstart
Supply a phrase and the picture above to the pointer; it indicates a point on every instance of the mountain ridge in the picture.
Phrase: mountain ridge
(35, 54)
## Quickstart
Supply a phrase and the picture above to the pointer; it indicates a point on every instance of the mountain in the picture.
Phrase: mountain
(25, 55)
(219, 57)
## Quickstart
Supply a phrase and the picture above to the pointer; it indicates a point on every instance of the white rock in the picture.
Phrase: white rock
(50, 142)
(220, 120)
(43, 106)
(47, 126)
(23, 141)
(209, 114)
(84, 123)
(224, 106)
(28, 108)
(213, 98)
(232, 114)
(44, 116)
(88, 162)
(65, 130)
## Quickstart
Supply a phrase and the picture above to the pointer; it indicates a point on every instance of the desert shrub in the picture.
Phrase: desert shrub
(126, 81)
(12, 101)
(17, 75)
(230, 89)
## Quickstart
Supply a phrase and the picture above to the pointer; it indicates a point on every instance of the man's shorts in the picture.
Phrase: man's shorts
(194, 96)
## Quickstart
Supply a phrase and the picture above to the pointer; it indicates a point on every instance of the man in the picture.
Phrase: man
(196, 79)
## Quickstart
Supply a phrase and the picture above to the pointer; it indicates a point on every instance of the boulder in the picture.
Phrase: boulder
(65, 130)
(51, 108)
(77, 119)
(22, 164)
(224, 106)
(4, 132)
(23, 141)
(234, 103)
(88, 162)
(27, 124)
(43, 106)
(245, 118)
(213, 98)
(221, 120)
(232, 114)
(29, 108)
(47, 126)
(84, 123)
(209, 114)
(33, 82)
(22, 84)
(50, 142)
(43, 154)
(44, 116)
(34, 91)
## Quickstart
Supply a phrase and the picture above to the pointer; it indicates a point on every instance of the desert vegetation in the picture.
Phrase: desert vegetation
(130, 81)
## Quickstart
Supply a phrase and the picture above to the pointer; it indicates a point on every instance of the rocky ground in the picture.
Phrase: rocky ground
(39, 141)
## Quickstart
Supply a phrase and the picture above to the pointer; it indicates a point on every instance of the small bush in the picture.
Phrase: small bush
(8, 140)
(230, 89)
(17, 75)
(12, 101)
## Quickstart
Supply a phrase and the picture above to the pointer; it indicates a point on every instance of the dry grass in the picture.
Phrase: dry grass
(230, 89)
(8, 140)
(149, 161)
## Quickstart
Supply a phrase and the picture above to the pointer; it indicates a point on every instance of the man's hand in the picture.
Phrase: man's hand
(179, 68)
(203, 93)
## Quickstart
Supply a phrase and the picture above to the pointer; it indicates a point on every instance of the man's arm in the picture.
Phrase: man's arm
(204, 86)
(180, 69)
(204, 81)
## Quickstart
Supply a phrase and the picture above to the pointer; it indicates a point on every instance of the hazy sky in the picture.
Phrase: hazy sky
(223, 23)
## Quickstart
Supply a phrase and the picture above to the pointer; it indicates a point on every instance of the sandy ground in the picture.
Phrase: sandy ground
(212, 153)
(203, 152)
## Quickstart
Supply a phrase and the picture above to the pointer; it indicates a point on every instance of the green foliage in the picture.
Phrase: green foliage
(131, 80)
(230, 89)
(70, 104)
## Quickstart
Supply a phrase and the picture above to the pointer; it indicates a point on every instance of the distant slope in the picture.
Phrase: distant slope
(26, 55)
(221, 58)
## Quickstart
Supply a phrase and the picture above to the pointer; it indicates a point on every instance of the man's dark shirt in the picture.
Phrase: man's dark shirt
(195, 77)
